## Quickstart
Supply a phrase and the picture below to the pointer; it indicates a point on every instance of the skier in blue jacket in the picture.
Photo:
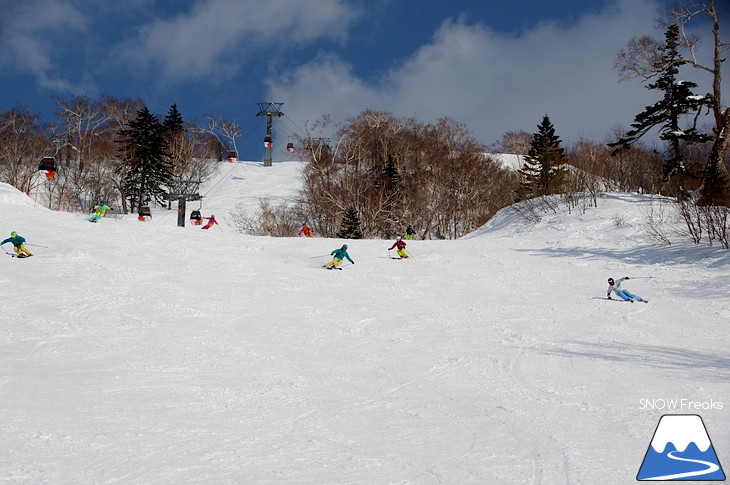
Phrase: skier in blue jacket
(339, 255)
(18, 245)
(615, 287)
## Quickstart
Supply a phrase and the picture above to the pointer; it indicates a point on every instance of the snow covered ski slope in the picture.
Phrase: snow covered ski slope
(146, 353)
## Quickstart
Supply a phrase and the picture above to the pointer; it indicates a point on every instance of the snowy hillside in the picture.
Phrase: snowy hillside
(508, 161)
(146, 353)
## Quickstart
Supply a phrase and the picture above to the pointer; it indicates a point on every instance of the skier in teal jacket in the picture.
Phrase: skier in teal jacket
(339, 255)
(18, 245)
(101, 208)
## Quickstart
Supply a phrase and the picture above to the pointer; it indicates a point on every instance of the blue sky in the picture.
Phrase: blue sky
(496, 66)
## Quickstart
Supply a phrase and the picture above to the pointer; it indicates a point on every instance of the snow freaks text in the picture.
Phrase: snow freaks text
(679, 405)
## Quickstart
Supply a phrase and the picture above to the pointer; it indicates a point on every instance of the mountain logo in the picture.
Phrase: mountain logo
(681, 450)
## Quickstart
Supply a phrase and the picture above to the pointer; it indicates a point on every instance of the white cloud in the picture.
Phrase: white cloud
(493, 82)
(217, 34)
(323, 84)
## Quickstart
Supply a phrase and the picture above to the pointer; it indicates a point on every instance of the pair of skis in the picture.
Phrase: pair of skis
(622, 300)
(399, 257)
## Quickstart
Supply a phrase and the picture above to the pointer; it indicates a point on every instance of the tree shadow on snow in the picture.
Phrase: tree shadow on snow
(713, 257)
(713, 367)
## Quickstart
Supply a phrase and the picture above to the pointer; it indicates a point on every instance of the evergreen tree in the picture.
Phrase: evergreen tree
(350, 228)
(145, 159)
(391, 176)
(542, 171)
(173, 122)
(390, 187)
(177, 148)
(678, 100)
(385, 192)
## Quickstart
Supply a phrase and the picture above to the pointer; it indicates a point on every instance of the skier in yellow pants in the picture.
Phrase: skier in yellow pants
(401, 245)
(339, 255)
(18, 245)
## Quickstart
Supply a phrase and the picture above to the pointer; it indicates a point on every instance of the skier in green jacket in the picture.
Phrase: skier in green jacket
(339, 255)
(18, 245)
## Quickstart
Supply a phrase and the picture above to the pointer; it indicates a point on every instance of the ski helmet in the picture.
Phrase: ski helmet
(398, 238)
(212, 215)
(610, 281)
(344, 246)
(101, 201)
(13, 234)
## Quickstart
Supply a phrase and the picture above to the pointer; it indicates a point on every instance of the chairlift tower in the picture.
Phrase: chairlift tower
(319, 143)
(182, 191)
(269, 110)
(317, 146)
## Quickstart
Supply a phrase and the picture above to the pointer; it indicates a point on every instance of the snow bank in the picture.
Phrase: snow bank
(10, 196)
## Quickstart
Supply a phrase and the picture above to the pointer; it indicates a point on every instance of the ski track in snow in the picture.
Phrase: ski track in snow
(150, 354)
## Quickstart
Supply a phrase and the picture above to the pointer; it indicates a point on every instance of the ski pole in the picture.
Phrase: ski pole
(36, 245)
(320, 256)
(640, 277)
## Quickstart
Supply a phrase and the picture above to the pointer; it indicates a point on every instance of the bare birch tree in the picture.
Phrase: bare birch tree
(398, 172)
(22, 144)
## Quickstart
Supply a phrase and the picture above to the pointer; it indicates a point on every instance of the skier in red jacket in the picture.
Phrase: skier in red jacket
(401, 245)
(306, 230)
(211, 221)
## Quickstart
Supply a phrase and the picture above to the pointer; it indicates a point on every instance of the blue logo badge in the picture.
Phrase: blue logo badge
(681, 450)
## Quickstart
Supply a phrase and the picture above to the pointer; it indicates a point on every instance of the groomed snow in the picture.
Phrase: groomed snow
(145, 353)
